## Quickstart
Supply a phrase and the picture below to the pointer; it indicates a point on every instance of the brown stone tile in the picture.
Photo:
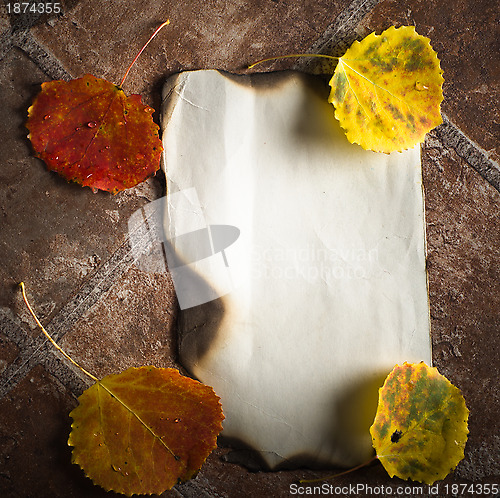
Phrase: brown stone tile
(463, 233)
(232, 481)
(8, 352)
(4, 22)
(54, 234)
(219, 34)
(465, 35)
(132, 325)
(35, 460)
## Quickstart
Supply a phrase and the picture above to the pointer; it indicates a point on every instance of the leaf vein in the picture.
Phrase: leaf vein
(376, 85)
(352, 90)
(146, 426)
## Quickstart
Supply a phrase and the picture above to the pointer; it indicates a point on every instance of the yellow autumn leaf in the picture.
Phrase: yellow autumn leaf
(387, 90)
(420, 428)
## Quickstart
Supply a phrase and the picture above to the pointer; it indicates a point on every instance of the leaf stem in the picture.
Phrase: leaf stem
(291, 56)
(142, 50)
(50, 338)
(365, 464)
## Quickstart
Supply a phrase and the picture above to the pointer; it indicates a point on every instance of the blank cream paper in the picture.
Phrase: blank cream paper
(323, 291)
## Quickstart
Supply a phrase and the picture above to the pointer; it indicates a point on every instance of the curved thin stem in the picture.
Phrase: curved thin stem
(365, 464)
(142, 50)
(291, 56)
(52, 340)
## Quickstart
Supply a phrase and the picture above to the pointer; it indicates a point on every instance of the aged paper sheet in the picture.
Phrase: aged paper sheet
(320, 289)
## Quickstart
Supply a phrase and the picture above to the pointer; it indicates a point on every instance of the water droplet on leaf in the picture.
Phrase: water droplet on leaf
(91, 124)
(420, 86)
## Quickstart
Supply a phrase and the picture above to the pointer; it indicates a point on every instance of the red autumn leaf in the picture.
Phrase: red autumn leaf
(90, 132)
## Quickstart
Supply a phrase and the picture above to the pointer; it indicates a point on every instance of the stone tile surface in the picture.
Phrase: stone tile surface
(54, 234)
(463, 234)
(18, 16)
(219, 34)
(132, 325)
(8, 352)
(4, 23)
(466, 36)
(71, 247)
(35, 459)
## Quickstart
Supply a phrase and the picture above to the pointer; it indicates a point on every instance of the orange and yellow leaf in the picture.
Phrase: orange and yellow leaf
(144, 430)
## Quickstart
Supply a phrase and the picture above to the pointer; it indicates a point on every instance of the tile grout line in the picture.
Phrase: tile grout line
(35, 349)
(22, 38)
(30, 356)
(11, 327)
(449, 134)
(45, 61)
(452, 137)
(5, 45)
(339, 36)
(345, 23)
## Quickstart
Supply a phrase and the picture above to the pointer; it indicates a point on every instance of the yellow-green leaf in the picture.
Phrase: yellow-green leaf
(420, 428)
(387, 90)
(144, 430)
